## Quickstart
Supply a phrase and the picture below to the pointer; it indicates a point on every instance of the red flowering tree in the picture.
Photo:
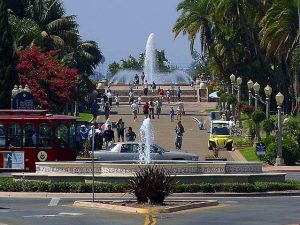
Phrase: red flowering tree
(51, 83)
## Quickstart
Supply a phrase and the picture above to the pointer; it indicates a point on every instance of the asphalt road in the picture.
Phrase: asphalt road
(234, 211)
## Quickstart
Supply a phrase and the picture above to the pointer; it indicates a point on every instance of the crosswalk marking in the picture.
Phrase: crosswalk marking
(54, 202)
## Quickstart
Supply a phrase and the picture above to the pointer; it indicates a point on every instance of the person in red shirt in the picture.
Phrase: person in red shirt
(146, 109)
(161, 94)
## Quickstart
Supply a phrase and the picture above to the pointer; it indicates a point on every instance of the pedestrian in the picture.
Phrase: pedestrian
(117, 100)
(109, 136)
(151, 109)
(153, 86)
(178, 93)
(137, 81)
(95, 110)
(109, 97)
(83, 134)
(161, 94)
(173, 91)
(168, 94)
(172, 114)
(145, 88)
(106, 110)
(179, 129)
(120, 130)
(98, 139)
(130, 97)
(143, 77)
(158, 105)
(135, 109)
(180, 109)
(146, 109)
(130, 135)
(139, 102)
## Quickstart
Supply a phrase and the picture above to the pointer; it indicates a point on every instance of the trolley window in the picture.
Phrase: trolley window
(2, 136)
(62, 135)
(45, 136)
(29, 136)
(72, 136)
(14, 135)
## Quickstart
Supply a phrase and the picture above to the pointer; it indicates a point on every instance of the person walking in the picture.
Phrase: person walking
(178, 93)
(121, 130)
(143, 77)
(145, 85)
(151, 109)
(137, 81)
(158, 105)
(117, 100)
(153, 86)
(146, 109)
(172, 114)
(179, 129)
(130, 135)
(95, 110)
(180, 109)
(98, 143)
(106, 110)
(109, 136)
(135, 109)
(168, 94)
(109, 97)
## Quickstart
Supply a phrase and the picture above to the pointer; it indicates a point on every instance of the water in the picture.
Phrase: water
(150, 69)
(147, 137)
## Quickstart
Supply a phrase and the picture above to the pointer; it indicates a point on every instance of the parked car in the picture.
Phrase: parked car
(130, 151)
(220, 135)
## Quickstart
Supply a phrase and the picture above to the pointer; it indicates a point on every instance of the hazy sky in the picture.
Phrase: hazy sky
(121, 27)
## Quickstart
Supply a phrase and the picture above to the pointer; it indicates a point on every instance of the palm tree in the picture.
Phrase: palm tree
(280, 32)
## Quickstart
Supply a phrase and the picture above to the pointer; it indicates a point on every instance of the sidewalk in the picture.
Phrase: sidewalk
(281, 169)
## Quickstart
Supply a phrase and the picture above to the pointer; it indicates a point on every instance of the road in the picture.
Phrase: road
(234, 211)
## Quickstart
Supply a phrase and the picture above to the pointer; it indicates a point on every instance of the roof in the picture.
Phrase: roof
(220, 121)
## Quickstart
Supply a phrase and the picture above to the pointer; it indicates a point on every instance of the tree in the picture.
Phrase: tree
(8, 58)
(51, 83)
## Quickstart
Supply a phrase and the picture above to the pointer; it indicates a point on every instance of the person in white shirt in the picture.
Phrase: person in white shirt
(146, 87)
(131, 97)
(135, 108)
(117, 100)
(139, 102)
(109, 97)
(180, 109)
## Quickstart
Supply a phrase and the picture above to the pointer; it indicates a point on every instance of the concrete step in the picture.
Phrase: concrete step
(185, 98)
(138, 92)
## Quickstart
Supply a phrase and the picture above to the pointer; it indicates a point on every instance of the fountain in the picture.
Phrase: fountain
(121, 171)
(147, 137)
(150, 69)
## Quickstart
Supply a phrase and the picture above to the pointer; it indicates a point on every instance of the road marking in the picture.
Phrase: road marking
(4, 211)
(71, 214)
(40, 216)
(54, 202)
(229, 202)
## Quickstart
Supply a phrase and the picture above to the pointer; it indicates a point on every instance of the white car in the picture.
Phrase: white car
(130, 151)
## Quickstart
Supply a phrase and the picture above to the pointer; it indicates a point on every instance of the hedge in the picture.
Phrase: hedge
(8, 184)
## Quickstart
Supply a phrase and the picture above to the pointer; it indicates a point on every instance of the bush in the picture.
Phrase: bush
(151, 183)
(247, 109)
(242, 141)
(258, 116)
(268, 125)
(290, 151)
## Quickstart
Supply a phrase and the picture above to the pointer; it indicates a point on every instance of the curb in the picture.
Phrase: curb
(185, 206)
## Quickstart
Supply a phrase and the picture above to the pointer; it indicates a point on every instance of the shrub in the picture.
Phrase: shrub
(290, 151)
(242, 141)
(247, 109)
(268, 125)
(151, 183)
(258, 116)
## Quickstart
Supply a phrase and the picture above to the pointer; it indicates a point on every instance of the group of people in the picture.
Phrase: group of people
(104, 134)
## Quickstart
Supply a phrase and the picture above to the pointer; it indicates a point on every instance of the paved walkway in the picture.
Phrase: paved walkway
(194, 140)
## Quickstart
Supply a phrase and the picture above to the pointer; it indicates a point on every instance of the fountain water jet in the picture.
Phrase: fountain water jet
(150, 69)
(147, 138)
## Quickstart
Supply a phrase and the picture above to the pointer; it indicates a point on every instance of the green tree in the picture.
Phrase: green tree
(113, 68)
(8, 58)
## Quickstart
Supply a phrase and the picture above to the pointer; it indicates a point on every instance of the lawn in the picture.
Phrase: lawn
(210, 110)
(85, 117)
(249, 153)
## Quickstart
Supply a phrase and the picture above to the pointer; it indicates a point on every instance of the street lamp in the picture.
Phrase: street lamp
(268, 92)
(250, 86)
(279, 159)
(27, 88)
(14, 92)
(236, 85)
(256, 88)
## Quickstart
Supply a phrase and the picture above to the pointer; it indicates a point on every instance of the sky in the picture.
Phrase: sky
(121, 28)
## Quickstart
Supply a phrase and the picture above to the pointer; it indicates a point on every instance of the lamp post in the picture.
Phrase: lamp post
(250, 86)
(93, 163)
(279, 159)
(256, 88)
(14, 92)
(232, 79)
(268, 92)
(236, 85)
(27, 88)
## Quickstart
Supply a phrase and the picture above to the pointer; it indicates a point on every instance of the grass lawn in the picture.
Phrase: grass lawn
(85, 117)
(249, 154)
(211, 110)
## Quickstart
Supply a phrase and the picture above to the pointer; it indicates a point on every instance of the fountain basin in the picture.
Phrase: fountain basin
(122, 171)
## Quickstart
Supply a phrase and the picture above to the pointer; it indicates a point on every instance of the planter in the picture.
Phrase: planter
(216, 159)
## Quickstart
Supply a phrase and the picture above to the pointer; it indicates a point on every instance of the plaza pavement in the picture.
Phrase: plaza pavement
(194, 139)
